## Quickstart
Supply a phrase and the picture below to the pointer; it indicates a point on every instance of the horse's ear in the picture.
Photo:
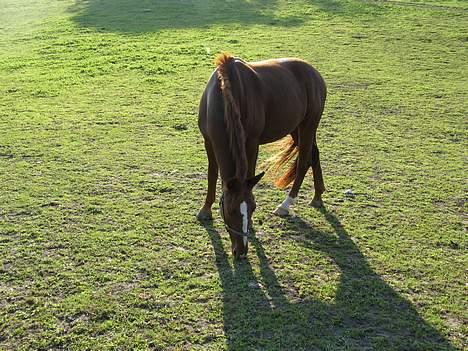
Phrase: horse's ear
(233, 184)
(251, 182)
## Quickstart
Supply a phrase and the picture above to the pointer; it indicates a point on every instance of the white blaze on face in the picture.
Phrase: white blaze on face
(245, 219)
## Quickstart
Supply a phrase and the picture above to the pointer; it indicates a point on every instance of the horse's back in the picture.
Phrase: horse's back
(291, 89)
(283, 69)
(275, 96)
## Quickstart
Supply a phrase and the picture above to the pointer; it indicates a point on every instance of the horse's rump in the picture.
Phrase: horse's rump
(268, 100)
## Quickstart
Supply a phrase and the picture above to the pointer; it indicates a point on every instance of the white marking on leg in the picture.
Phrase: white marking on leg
(283, 209)
(245, 219)
(287, 202)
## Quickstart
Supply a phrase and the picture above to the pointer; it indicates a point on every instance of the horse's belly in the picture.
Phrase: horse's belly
(271, 136)
(280, 122)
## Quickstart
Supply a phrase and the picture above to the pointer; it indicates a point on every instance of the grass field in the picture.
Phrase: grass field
(102, 171)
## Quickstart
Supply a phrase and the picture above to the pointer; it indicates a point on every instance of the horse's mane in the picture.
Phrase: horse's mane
(231, 85)
(222, 58)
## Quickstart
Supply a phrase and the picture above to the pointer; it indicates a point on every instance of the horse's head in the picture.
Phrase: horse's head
(236, 207)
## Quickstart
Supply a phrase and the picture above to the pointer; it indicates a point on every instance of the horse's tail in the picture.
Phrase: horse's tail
(231, 87)
(289, 149)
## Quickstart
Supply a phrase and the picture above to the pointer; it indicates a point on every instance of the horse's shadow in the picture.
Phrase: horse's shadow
(367, 314)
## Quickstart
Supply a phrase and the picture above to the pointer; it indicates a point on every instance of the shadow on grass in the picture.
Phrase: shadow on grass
(367, 313)
(149, 16)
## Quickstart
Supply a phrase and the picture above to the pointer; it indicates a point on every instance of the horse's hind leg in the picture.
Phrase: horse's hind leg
(318, 177)
(205, 212)
(303, 164)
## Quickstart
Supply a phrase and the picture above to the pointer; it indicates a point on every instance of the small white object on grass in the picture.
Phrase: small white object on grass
(255, 285)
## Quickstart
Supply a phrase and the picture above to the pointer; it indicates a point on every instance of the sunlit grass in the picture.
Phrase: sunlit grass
(102, 170)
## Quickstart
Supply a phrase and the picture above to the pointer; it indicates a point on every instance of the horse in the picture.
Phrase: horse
(245, 105)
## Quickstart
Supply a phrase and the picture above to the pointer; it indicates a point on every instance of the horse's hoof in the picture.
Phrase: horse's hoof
(316, 203)
(204, 215)
(281, 212)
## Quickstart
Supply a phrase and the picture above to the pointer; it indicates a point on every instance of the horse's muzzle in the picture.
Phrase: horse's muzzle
(239, 254)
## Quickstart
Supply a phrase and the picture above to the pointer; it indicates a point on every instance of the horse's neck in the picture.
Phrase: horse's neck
(227, 168)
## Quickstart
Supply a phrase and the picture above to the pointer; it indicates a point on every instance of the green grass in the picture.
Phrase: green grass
(102, 171)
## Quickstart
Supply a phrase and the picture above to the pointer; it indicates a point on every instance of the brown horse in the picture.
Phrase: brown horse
(248, 104)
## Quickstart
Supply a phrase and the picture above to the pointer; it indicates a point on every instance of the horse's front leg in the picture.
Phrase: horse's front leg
(205, 211)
